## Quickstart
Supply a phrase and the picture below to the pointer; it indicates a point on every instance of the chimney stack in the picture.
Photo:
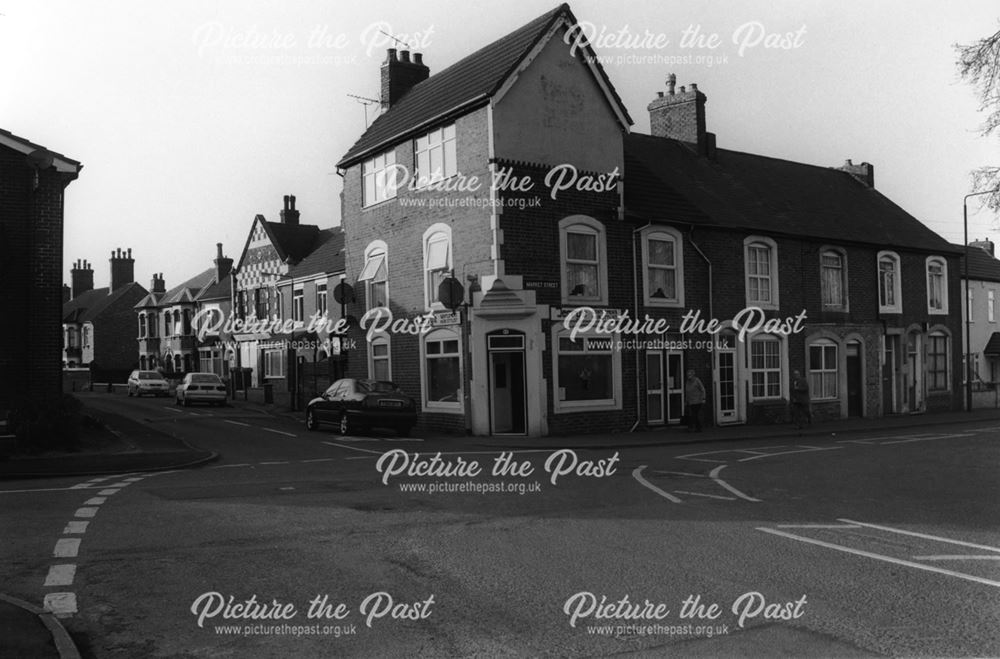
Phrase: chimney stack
(122, 269)
(288, 214)
(223, 265)
(82, 278)
(681, 116)
(986, 245)
(158, 285)
(864, 172)
(67, 293)
(400, 74)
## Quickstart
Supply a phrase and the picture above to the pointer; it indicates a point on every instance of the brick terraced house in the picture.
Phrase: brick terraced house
(33, 180)
(514, 172)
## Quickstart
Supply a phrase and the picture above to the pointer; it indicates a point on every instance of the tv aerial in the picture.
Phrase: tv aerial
(365, 101)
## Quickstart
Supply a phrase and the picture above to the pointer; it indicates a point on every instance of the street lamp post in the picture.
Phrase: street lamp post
(968, 303)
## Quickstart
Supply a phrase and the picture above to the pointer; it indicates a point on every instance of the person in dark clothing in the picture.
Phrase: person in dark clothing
(800, 400)
(694, 394)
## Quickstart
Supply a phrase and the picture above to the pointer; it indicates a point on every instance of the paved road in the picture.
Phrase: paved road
(855, 546)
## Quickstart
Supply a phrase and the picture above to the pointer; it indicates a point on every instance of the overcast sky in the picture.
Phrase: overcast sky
(192, 117)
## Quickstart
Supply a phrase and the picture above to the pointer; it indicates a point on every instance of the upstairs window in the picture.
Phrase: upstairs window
(298, 304)
(833, 281)
(937, 288)
(437, 261)
(321, 299)
(761, 260)
(889, 293)
(379, 178)
(583, 254)
(375, 276)
(435, 156)
(663, 264)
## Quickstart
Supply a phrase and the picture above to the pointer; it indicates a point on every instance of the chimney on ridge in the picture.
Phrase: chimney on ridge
(288, 214)
(122, 268)
(223, 264)
(400, 74)
(82, 278)
(986, 245)
(864, 172)
(158, 285)
(681, 116)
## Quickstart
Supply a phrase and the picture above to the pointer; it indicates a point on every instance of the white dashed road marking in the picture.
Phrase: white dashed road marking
(279, 432)
(61, 575)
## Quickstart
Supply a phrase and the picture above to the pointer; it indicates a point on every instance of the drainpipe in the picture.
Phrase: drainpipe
(635, 296)
(711, 307)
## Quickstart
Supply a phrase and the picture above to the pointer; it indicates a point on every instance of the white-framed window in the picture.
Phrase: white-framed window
(760, 256)
(434, 156)
(970, 302)
(375, 275)
(991, 306)
(437, 261)
(379, 178)
(584, 261)
(380, 358)
(142, 326)
(274, 363)
(833, 279)
(587, 373)
(321, 299)
(298, 303)
(890, 297)
(663, 267)
(765, 367)
(937, 362)
(86, 336)
(442, 371)
(937, 285)
(823, 373)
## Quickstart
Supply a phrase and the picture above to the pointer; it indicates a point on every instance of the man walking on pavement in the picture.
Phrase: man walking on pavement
(800, 400)
(694, 394)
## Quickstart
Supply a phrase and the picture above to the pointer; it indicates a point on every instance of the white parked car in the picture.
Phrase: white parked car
(147, 382)
(201, 388)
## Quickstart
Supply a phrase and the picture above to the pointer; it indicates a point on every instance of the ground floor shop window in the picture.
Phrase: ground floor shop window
(765, 367)
(442, 370)
(823, 370)
(587, 373)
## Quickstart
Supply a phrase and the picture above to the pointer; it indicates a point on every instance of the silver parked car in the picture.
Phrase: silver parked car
(141, 383)
(201, 388)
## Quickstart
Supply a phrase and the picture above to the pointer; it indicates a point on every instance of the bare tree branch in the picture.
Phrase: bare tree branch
(979, 65)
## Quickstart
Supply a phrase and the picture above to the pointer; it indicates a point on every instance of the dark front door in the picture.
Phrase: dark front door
(855, 389)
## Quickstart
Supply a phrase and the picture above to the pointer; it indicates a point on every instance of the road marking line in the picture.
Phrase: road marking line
(637, 474)
(66, 547)
(109, 492)
(710, 496)
(243, 464)
(61, 604)
(134, 479)
(715, 476)
(279, 432)
(818, 526)
(806, 449)
(86, 512)
(61, 575)
(957, 557)
(174, 409)
(273, 463)
(925, 439)
(83, 486)
(359, 457)
(702, 460)
(318, 460)
(880, 557)
(119, 485)
(236, 423)
(856, 441)
(680, 473)
(353, 448)
(925, 536)
(75, 527)
(45, 489)
(751, 452)
(95, 501)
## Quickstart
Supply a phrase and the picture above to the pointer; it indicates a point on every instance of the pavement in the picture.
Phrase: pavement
(27, 631)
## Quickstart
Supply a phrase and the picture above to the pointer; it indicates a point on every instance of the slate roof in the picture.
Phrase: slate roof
(993, 345)
(468, 83)
(89, 305)
(982, 266)
(667, 180)
(186, 292)
(217, 290)
(327, 255)
(27, 146)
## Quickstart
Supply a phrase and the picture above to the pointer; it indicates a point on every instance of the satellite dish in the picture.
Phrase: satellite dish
(40, 158)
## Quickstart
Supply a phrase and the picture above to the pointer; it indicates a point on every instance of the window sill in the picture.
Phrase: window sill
(571, 407)
(442, 408)
(377, 203)
(663, 304)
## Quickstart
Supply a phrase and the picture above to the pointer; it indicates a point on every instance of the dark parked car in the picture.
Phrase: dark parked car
(356, 405)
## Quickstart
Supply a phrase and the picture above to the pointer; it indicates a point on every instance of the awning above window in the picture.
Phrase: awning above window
(374, 269)
(993, 345)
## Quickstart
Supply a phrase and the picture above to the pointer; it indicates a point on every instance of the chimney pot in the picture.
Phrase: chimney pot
(391, 52)
(218, 250)
(683, 89)
(404, 56)
(659, 94)
(418, 58)
(694, 86)
(291, 201)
